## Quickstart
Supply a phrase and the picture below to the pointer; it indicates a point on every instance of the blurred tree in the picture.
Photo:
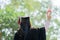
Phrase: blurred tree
(34, 8)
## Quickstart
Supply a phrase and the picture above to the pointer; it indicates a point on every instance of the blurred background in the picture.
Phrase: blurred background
(10, 10)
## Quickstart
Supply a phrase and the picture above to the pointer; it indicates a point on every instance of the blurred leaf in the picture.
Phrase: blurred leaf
(9, 9)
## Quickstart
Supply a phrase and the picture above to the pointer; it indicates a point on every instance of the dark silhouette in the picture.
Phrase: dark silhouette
(24, 28)
(19, 35)
(36, 34)
(26, 33)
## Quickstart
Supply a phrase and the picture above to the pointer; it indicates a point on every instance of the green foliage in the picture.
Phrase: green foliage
(9, 16)
(32, 5)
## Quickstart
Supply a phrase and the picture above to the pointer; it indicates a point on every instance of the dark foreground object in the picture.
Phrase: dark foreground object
(25, 33)
(36, 34)
(33, 34)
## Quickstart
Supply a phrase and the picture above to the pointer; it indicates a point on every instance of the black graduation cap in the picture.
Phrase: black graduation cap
(24, 23)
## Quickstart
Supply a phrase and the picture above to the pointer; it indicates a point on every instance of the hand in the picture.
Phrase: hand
(48, 14)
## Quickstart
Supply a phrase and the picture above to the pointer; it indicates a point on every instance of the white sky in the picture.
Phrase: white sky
(3, 3)
(56, 3)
